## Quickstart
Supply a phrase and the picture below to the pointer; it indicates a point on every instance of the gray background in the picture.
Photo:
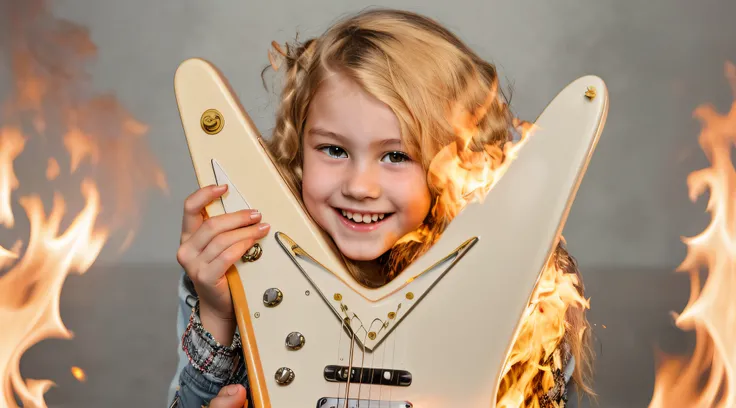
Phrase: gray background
(659, 58)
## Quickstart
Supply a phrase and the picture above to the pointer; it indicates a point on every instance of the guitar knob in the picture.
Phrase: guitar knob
(272, 297)
(284, 376)
(295, 341)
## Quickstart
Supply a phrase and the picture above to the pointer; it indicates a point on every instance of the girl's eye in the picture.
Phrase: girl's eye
(334, 151)
(396, 157)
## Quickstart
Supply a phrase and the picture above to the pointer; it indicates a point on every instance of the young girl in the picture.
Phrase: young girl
(364, 109)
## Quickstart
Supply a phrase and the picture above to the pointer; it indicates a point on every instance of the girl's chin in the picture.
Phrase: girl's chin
(360, 254)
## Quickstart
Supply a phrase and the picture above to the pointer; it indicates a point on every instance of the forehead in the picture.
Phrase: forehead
(342, 106)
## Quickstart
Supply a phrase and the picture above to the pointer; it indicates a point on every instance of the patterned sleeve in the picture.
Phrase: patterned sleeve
(219, 363)
(210, 365)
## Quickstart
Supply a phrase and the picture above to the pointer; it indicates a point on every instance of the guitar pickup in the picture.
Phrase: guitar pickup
(361, 403)
(363, 375)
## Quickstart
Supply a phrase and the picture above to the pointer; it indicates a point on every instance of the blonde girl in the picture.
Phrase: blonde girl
(364, 109)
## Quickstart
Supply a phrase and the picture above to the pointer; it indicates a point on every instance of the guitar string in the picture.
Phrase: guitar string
(385, 350)
(371, 370)
(362, 361)
(341, 334)
(372, 373)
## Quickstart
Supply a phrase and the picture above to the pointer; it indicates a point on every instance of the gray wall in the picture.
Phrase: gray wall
(660, 59)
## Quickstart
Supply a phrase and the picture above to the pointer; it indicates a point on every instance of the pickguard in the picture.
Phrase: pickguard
(370, 322)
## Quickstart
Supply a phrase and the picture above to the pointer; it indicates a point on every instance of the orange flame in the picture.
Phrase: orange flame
(79, 374)
(464, 173)
(707, 379)
(542, 329)
(52, 170)
(11, 145)
(50, 94)
(31, 290)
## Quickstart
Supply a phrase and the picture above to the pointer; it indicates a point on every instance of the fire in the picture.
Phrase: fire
(51, 103)
(464, 173)
(707, 379)
(31, 289)
(52, 170)
(543, 328)
(11, 145)
(79, 374)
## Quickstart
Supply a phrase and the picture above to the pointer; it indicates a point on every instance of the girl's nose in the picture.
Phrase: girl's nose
(362, 182)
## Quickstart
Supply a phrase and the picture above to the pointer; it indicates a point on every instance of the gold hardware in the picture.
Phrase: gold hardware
(372, 335)
(252, 254)
(300, 252)
(212, 121)
(297, 254)
(590, 92)
(391, 315)
(344, 308)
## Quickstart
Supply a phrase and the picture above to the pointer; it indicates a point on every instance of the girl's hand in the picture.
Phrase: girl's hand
(231, 396)
(208, 247)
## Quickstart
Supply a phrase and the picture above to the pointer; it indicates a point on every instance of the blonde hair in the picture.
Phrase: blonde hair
(424, 73)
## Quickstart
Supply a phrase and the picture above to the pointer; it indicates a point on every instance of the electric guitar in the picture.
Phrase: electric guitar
(435, 336)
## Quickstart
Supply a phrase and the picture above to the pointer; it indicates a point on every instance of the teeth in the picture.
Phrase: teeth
(364, 218)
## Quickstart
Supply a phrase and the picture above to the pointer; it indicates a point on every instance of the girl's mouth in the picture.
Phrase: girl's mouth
(362, 221)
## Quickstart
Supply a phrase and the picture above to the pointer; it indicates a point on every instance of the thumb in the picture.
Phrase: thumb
(231, 396)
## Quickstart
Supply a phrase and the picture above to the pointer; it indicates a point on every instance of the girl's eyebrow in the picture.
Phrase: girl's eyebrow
(346, 140)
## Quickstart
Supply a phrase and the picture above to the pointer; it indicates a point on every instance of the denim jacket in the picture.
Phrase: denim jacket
(205, 366)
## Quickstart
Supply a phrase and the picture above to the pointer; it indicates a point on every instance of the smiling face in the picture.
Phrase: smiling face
(358, 183)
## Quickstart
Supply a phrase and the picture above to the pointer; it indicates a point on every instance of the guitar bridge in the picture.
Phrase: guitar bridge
(362, 375)
(361, 403)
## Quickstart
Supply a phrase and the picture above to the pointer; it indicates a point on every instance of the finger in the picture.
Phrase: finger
(195, 204)
(226, 239)
(224, 260)
(231, 396)
(219, 224)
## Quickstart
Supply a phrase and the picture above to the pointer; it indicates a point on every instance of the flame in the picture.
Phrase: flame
(6, 255)
(542, 329)
(52, 104)
(79, 374)
(53, 169)
(707, 379)
(11, 145)
(464, 173)
(31, 290)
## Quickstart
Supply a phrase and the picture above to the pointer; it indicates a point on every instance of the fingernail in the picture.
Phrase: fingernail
(232, 390)
(255, 215)
(221, 187)
(264, 226)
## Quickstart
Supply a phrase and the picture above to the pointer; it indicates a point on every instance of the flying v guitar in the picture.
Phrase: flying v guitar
(435, 336)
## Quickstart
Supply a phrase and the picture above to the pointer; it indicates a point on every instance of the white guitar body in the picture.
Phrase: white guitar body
(437, 335)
